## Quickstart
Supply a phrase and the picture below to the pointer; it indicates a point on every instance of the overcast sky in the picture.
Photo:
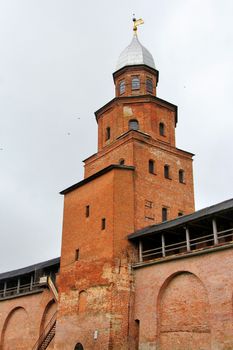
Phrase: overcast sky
(56, 63)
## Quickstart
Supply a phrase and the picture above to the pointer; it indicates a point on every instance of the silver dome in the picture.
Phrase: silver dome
(135, 54)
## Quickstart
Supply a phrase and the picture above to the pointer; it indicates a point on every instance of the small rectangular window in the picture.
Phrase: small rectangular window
(151, 166)
(107, 133)
(164, 214)
(103, 224)
(181, 176)
(166, 172)
(77, 254)
(161, 129)
(180, 213)
(87, 211)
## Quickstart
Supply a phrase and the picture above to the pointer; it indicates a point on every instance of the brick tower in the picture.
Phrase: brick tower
(137, 178)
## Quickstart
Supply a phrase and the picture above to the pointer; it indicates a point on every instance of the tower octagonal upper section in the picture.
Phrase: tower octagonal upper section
(136, 73)
(135, 80)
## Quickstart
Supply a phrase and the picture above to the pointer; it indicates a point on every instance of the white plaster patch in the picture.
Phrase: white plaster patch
(127, 111)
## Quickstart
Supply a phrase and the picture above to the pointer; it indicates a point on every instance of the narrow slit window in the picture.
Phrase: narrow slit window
(103, 224)
(122, 87)
(181, 176)
(77, 254)
(161, 129)
(108, 133)
(87, 211)
(135, 83)
(137, 331)
(166, 171)
(164, 214)
(151, 166)
(149, 85)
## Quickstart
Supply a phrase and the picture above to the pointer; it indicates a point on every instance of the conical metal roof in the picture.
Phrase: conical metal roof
(135, 54)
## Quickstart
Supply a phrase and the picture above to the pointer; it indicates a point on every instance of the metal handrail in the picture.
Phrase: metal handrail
(229, 230)
(19, 290)
(45, 331)
(174, 244)
(183, 244)
(201, 241)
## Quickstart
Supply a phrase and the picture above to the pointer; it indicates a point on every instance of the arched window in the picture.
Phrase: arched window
(108, 133)
(166, 171)
(122, 87)
(151, 166)
(121, 161)
(161, 129)
(135, 83)
(181, 176)
(79, 346)
(149, 85)
(133, 124)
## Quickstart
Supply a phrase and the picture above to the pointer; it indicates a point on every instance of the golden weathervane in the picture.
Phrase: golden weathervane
(136, 23)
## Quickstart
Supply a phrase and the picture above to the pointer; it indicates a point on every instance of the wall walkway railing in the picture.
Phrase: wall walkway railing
(186, 246)
(19, 289)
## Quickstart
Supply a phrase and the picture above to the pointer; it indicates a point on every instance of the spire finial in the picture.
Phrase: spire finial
(136, 23)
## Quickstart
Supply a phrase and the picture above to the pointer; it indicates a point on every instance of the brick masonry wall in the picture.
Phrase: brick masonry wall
(186, 304)
(145, 110)
(160, 191)
(137, 150)
(95, 291)
(22, 319)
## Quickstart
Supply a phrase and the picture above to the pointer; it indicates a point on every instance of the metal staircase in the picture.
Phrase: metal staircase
(47, 335)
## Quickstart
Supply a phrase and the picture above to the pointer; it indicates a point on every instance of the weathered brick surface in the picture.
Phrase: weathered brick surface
(186, 304)
(103, 269)
(97, 291)
(23, 318)
(137, 150)
(147, 111)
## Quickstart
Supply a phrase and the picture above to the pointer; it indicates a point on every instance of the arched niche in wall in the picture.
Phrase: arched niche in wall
(183, 313)
(82, 302)
(16, 331)
(79, 346)
(49, 312)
